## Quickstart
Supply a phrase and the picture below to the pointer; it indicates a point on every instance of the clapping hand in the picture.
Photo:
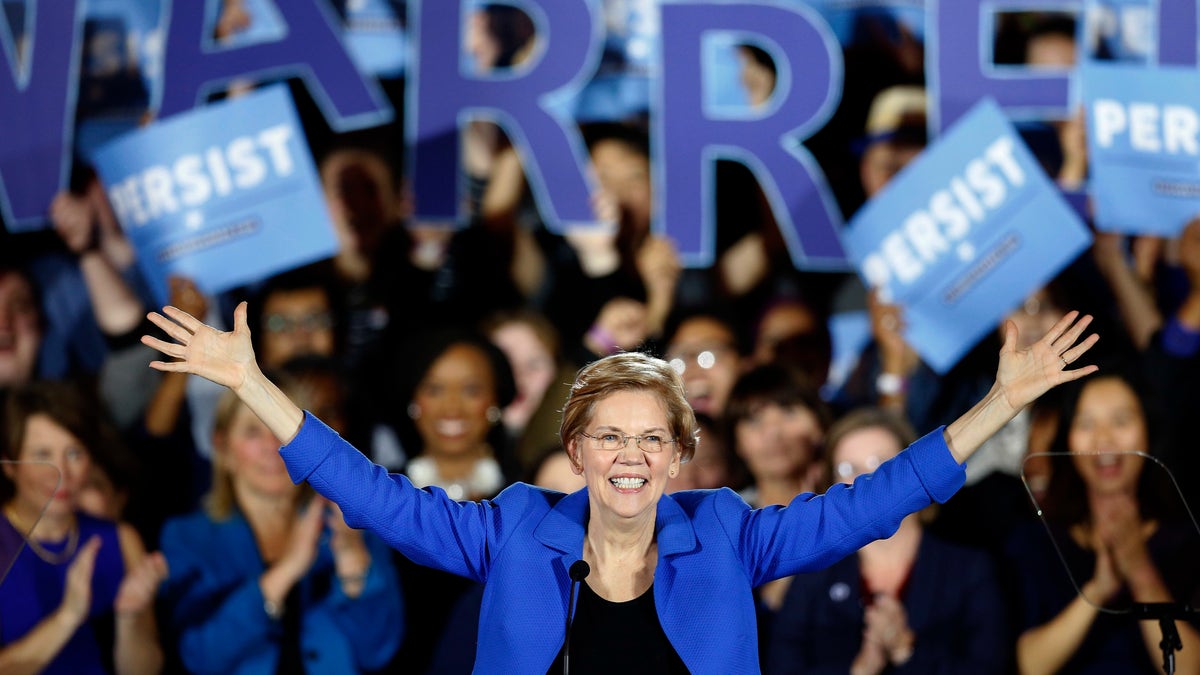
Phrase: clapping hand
(140, 585)
(77, 596)
(887, 625)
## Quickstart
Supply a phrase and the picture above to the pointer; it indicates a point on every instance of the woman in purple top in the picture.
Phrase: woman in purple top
(79, 597)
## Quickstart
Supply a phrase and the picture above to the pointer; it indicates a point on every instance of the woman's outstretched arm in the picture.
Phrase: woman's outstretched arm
(226, 358)
(1023, 376)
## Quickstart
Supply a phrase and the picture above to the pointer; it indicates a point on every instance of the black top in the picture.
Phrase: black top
(618, 636)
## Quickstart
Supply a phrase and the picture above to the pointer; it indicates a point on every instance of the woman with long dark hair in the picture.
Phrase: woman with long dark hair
(1109, 514)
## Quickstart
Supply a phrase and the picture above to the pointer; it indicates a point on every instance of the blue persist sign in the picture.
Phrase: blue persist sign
(964, 234)
(1143, 149)
(226, 194)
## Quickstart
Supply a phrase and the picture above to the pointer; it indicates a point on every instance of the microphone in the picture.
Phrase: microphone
(578, 572)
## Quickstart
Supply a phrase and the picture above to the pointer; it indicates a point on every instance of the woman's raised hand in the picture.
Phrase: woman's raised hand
(226, 358)
(1025, 374)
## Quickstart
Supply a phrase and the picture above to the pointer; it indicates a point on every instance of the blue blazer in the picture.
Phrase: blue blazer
(712, 547)
(215, 609)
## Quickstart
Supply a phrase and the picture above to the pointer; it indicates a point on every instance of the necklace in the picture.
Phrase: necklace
(485, 478)
(67, 553)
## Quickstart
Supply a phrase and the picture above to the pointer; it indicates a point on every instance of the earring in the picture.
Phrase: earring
(672, 473)
(493, 414)
(414, 411)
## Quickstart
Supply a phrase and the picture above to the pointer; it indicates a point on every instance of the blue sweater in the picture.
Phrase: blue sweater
(712, 547)
(215, 605)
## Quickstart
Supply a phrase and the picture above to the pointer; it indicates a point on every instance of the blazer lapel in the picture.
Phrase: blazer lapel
(563, 526)
(673, 528)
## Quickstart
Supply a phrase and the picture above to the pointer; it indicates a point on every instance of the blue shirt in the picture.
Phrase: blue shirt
(215, 607)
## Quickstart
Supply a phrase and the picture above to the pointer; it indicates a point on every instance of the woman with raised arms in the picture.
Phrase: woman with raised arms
(671, 575)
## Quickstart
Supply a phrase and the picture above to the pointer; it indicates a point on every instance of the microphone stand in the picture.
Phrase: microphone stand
(578, 572)
(1166, 613)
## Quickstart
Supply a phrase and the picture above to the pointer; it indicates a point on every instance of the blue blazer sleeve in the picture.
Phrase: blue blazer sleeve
(425, 525)
(815, 531)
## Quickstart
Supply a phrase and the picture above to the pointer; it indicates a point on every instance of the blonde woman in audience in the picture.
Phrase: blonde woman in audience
(268, 579)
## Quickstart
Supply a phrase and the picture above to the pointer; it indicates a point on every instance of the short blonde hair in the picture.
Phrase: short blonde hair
(630, 371)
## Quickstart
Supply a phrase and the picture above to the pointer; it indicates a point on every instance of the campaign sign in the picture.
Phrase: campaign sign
(963, 235)
(374, 34)
(1117, 30)
(225, 194)
(1143, 150)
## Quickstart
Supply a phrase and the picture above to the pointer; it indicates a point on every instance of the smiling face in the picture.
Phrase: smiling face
(1108, 420)
(48, 452)
(453, 398)
(625, 483)
(703, 351)
(778, 442)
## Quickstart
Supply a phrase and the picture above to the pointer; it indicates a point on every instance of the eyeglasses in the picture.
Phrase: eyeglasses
(282, 323)
(704, 358)
(848, 470)
(613, 441)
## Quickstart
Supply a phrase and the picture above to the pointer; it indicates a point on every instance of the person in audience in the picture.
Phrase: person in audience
(1172, 364)
(324, 386)
(530, 342)
(704, 349)
(1050, 46)
(911, 603)
(777, 425)
(20, 327)
(267, 578)
(669, 554)
(452, 388)
(783, 319)
(1113, 521)
(757, 74)
(79, 596)
(299, 316)
(894, 135)
(711, 465)
(457, 385)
